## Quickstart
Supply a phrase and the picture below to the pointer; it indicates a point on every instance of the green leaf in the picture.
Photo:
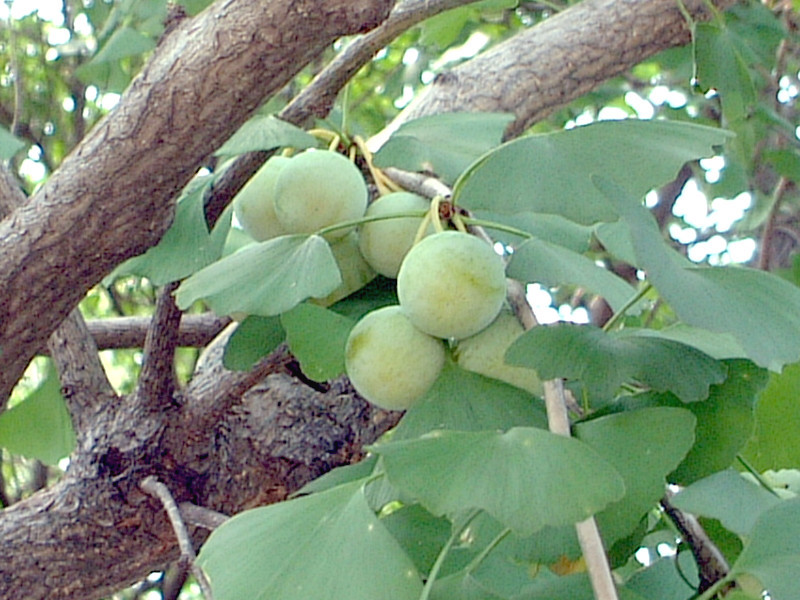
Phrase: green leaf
(317, 337)
(465, 401)
(644, 446)
(773, 553)
(729, 497)
(454, 471)
(552, 173)
(603, 361)
(666, 579)
(40, 426)
(124, 42)
(340, 476)
(445, 144)
(9, 144)
(254, 338)
(720, 65)
(716, 345)
(775, 444)
(552, 264)
(421, 534)
(265, 279)
(265, 132)
(554, 229)
(326, 546)
(724, 420)
(187, 246)
(723, 299)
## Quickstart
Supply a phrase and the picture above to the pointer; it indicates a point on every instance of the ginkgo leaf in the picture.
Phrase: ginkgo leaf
(325, 546)
(603, 361)
(445, 144)
(187, 246)
(321, 356)
(528, 174)
(551, 265)
(265, 279)
(265, 132)
(453, 471)
(772, 554)
(723, 300)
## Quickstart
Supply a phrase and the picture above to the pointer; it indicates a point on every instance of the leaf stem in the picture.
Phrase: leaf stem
(437, 565)
(758, 476)
(475, 562)
(617, 316)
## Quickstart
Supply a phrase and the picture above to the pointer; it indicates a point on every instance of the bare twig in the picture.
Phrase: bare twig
(711, 563)
(768, 234)
(199, 516)
(130, 332)
(157, 380)
(419, 183)
(158, 490)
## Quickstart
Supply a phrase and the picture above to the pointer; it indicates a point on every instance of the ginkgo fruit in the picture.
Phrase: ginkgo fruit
(385, 243)
(319, 188)
(390, 362)
(451, 285)
(254, 205)
(483, 353)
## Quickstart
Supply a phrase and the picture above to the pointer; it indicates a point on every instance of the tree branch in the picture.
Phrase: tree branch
(129, 332)
(83, 379)
(156, 385)
(157, 489)
(545, 67)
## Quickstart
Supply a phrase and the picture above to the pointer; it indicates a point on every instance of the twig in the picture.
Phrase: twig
(419, 183)
(158, 490)
(711, 563)
(769, 228)
(200, 516)
(589, 538)
(157, 380)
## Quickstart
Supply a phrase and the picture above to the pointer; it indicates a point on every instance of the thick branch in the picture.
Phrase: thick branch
(156, 384)
(129, 332)
(541, 69)
(83, 380)
(112, 197)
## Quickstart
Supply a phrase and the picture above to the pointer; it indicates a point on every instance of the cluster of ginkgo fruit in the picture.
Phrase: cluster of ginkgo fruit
(451, 285)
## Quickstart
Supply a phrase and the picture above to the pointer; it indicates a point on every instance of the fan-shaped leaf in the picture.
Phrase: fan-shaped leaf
(326, 546)
(603, 361)
(529, 174)
(265, 279)
(526, 478)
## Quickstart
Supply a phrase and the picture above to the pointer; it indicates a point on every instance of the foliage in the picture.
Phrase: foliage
(693, 379)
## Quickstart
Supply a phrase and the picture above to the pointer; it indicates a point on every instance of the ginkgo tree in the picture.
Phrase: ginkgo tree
(646, 451)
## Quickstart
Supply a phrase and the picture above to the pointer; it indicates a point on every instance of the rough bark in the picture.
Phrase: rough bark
(112, 198)
(95, 531)
(537, 71)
